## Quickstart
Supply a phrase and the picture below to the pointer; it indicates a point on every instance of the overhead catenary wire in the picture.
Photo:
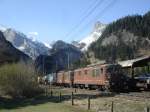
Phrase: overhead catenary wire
(87, 12)
(96, 17)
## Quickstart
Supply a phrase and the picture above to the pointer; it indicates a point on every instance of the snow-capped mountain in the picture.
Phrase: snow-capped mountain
(25, 44)
(8, 53)
(93, 36)
(2, 28)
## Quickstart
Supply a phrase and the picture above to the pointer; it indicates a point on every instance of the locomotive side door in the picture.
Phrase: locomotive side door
(71, 78)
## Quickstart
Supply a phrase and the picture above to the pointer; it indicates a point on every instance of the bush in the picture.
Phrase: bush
(19, 80)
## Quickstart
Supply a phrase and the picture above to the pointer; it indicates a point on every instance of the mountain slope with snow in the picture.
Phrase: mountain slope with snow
(8, 53)
(93, 36)
(25, 44)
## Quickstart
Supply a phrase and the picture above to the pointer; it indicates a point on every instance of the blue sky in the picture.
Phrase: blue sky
(52, 20)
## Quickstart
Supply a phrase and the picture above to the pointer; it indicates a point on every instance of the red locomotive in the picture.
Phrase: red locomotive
(104, 77)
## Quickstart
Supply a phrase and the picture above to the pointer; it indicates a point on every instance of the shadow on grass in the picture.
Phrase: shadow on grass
(18, 103)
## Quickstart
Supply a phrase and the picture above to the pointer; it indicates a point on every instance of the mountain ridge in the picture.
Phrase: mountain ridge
(8, 53)
(24, 43)
(61, 55)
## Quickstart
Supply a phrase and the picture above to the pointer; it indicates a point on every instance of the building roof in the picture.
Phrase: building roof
(98, 63)
(138, 62)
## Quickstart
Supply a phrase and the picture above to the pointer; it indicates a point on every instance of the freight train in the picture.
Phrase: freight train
(100, 76)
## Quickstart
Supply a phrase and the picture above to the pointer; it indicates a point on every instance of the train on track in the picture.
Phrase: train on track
(100, 76)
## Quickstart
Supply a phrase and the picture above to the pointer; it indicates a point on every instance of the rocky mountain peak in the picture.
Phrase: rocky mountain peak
(99, 26)
(93, 36)
(8, 53)
(59, 45)
(25, 44)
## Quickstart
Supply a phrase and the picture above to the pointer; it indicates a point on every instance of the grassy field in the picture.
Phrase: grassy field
(121, 104)
(38, 105)
(47, 107)
(100, 102)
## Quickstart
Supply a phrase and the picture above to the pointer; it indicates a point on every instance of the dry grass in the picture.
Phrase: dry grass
(132, 102)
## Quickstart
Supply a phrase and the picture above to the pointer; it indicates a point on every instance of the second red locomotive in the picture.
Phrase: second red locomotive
(100, 76)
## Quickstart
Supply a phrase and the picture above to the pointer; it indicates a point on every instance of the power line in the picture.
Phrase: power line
(89, 12)
(98, 15)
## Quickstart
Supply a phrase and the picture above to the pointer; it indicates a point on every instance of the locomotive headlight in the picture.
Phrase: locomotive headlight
(148, 81)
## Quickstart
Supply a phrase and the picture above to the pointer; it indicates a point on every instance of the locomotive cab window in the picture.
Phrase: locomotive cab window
(85, 72)
(97, 72)
(93, 73)
(102, 70)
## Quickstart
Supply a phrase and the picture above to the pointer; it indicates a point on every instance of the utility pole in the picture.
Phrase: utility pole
(56, 66)
(56, 70)
(68, 61)
(43, 65)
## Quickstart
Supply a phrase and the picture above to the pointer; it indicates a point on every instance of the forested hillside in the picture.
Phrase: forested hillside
(126, 38)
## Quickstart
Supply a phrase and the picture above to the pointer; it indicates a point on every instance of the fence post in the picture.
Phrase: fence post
(75, 90)
(112, 106)
(60, 96)
(89, 103)
(45, 91)
(51, 93)
(147, 109)
(72, 99)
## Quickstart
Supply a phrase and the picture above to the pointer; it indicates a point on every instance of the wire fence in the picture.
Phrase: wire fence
(90, 101)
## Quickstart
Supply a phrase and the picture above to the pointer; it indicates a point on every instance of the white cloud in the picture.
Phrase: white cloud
(33, 33)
